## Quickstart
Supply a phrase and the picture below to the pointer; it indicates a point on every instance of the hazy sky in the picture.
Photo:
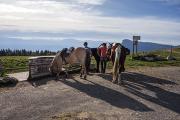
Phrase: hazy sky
(112, 20)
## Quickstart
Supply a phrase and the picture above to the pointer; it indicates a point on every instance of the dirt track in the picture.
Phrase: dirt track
(148, 93)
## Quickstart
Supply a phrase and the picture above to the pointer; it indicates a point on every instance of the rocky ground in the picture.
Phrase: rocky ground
(147, 93)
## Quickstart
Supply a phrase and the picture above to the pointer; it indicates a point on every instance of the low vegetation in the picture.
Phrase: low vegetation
(14, 63)
(23, 52)
(163, 53)
(20, 63)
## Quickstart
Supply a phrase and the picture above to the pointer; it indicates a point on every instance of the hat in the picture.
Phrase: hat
(85, 43)
(104, 44)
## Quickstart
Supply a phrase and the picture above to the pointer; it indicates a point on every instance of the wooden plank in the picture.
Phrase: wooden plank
(39, 66)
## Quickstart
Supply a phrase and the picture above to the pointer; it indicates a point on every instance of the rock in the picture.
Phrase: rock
(8, 81)
(170, 57)
(149, 58)
(159, 58)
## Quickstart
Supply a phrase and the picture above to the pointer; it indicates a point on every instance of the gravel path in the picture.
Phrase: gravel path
(147, 93)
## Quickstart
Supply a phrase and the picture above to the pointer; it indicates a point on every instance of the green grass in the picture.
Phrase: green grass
(14, 63)
(164, 53)
(20, 63)
(137, 63)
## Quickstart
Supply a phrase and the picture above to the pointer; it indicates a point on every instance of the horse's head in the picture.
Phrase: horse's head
(56, 64)
(51, 68)
(63, 52)
(127, 51)
(109, 50)
(118, 49)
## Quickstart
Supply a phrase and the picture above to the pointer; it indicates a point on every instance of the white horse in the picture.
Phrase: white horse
(79, 55)
(116, 66)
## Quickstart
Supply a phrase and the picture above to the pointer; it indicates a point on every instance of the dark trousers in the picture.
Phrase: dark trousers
(103, 64)
(88, 62)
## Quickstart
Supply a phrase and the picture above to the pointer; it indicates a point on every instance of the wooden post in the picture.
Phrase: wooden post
(171, 50)
(135, 43)
(133, 50)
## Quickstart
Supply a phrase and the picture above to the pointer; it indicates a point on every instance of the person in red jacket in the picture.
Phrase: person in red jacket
(102, 51)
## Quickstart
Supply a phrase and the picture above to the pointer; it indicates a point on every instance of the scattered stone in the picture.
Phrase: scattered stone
(170, 57)
(8, 81)
(159, 58)
(150, 58)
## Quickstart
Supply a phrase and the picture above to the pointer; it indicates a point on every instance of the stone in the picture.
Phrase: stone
(8, 81)
(149, 58)
(159, 58)
(170, 57)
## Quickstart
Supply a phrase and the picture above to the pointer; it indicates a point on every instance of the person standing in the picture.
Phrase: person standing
(88, 50)
(102, 51)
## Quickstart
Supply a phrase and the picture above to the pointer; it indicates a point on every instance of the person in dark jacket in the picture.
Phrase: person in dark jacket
(88, 62)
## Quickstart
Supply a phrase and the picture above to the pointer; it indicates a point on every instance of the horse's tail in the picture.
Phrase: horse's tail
(116, 64)
(115, 69)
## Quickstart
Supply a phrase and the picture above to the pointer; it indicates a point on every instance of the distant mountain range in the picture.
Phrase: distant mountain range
(145, 46)
(55, 45)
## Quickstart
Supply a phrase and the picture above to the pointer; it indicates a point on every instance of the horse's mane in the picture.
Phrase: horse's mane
(124, 49)
(95, 53)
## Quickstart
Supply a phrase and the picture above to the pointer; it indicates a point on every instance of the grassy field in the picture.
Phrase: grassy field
(164, 53)
(14, 63)
(20, 63)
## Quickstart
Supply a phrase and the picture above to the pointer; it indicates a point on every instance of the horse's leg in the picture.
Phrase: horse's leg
(119, 78)
(114, 76)
(114, 79)
(57, 76)
(66, 74)
(81, 75)
(97, 62)
(81, 72)
(120, 81)
(84, 71)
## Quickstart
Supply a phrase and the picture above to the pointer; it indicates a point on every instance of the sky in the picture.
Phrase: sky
(104, 20)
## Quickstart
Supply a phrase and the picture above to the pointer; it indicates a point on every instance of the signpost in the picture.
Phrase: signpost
(135, 44)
